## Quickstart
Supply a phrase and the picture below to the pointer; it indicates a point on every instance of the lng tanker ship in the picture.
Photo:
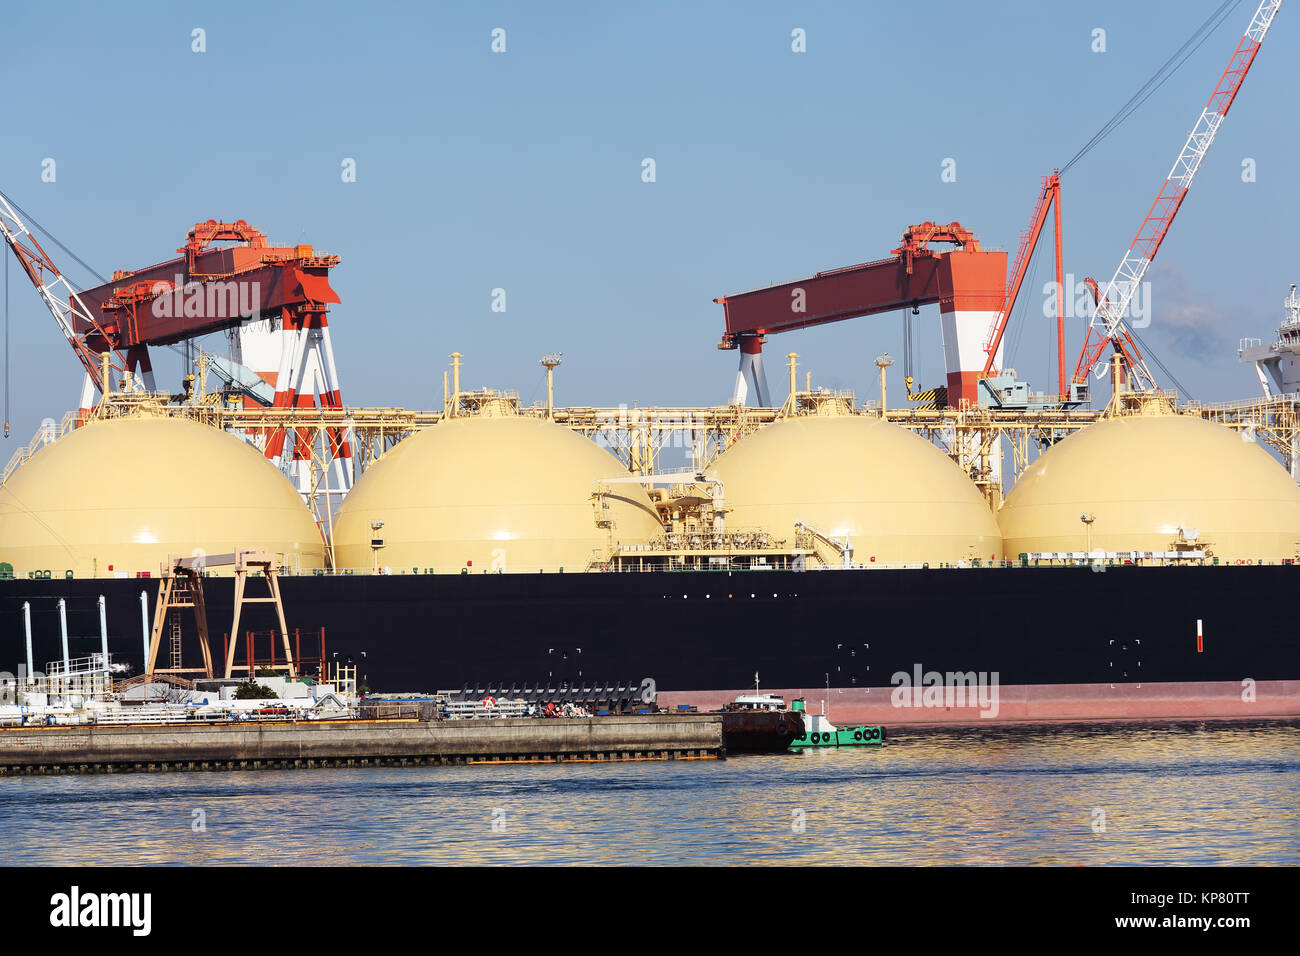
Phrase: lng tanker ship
(1138, 568)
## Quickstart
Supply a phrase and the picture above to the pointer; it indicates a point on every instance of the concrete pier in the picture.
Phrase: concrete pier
(224, 746)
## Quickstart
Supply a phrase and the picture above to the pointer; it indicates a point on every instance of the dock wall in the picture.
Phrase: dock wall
(89, 749)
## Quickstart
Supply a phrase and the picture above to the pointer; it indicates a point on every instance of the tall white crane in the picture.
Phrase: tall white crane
(1107, 323)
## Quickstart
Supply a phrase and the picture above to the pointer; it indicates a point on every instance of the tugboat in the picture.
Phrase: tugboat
(820, 732)
(760, 723)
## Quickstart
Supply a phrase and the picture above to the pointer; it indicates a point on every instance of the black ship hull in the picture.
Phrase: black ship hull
(704, 635)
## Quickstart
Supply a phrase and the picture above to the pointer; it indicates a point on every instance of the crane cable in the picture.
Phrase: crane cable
(908, 370)
(1157, 79)
(50, 236)
(1148, 89)
(1163, 368)
(6, 258)
(1013, 347)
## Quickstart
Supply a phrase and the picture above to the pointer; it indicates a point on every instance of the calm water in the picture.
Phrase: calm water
(1204, 795)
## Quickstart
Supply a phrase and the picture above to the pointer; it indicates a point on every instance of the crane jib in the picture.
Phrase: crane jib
(1107, 320)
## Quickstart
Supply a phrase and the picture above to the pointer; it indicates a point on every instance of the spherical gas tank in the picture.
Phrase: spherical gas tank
(1146, 481)
(485, 493)
(897, 498)
(119, 496)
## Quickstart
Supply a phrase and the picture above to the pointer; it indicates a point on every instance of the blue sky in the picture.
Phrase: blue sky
(522, 171)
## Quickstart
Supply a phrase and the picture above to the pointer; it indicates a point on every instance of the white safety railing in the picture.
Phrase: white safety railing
(465, 709)
(48, 432)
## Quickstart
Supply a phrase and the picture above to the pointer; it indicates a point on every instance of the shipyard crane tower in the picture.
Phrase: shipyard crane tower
(1107, 323)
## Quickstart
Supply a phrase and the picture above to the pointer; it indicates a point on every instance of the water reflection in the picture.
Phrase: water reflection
(1190, 794)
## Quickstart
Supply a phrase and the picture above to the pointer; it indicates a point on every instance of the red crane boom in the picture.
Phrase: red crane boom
(1049, 198)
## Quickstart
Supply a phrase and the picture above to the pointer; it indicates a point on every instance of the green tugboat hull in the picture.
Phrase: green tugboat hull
(842, 737)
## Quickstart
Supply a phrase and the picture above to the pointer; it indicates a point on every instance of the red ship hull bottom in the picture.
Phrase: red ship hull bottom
(1028, 703)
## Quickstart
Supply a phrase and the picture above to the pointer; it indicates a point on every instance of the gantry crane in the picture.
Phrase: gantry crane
(181, 586)
(1107, 323)
(272, 301)
(967, 282)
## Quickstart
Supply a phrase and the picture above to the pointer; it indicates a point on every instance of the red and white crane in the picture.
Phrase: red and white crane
(271, 300)
(967, 282)
(1112, 304)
